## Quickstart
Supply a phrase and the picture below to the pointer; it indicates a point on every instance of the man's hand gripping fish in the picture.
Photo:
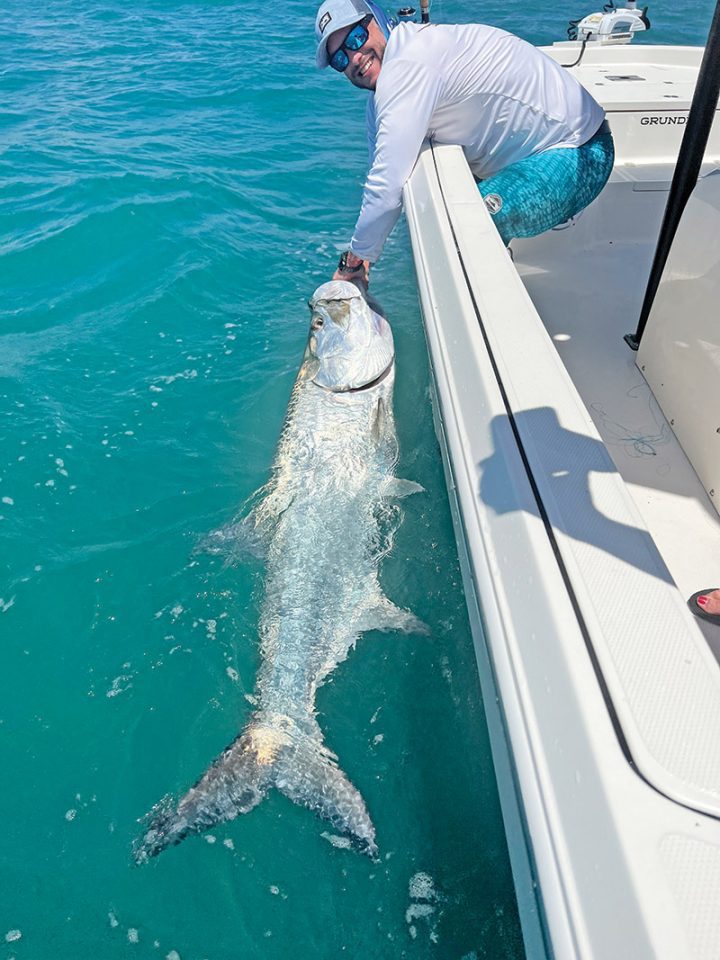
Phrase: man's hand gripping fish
(320, 522)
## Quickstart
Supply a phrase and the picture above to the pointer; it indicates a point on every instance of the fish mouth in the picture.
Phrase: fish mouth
(366, 386)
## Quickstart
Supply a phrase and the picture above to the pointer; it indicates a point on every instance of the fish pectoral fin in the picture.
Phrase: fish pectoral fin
(235, 541)
(401, 488)
(250, 536)
(385, 615)
(379, 425)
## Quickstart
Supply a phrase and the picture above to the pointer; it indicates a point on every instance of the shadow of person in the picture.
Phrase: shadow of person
(561, 462)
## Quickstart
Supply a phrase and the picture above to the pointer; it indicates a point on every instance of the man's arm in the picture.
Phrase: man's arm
(350, 269)
(407, 95)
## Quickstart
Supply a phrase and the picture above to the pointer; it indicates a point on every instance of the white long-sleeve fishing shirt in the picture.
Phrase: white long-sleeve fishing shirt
(498, 97)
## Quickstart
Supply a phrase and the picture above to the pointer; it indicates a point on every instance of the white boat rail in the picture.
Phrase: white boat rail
(602, 695)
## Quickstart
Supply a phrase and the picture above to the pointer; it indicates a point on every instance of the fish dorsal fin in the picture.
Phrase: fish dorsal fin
(401, 488)
(385, 615)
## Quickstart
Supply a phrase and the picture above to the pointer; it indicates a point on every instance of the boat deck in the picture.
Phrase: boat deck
(581, 530)
(587, 285)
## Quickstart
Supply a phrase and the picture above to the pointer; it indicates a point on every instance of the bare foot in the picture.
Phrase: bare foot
(710, 602)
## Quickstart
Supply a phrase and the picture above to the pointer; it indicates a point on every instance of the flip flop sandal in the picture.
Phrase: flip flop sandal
(698, 610)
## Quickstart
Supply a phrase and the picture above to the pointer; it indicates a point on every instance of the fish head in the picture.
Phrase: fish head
(350, 345)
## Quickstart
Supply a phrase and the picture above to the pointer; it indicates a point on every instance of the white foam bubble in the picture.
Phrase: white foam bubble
(117, 688)
(418, 911)
(12, 935)
(421, 887)
(274, 890)
(9, 501)
(113, 920)
(70, 815)
(133, 935)
(233, 674)
(425, 898)
(182, 375)
(228, 843)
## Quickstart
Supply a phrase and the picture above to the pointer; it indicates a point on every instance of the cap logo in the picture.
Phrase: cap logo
(493, 203)
(324, 21)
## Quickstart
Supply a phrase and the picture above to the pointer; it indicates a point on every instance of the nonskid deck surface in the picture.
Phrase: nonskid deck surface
(628, 77)
(587, 283)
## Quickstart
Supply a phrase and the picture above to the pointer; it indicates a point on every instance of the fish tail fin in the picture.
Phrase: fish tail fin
(308, 774)
(273, 750)
(235, 783)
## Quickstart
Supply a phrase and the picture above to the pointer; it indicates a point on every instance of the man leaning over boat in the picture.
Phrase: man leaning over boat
(534, 138)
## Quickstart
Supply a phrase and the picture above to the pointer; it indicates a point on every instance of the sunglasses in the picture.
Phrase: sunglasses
(356, 39)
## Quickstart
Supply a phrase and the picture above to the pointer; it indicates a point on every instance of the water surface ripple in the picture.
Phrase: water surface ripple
(176, 180)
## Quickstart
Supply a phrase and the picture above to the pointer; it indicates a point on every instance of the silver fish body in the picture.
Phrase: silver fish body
(323, 522)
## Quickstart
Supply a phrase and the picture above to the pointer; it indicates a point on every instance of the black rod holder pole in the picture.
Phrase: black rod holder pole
(692, 151)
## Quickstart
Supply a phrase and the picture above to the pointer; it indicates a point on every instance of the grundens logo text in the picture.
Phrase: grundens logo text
(662, 120)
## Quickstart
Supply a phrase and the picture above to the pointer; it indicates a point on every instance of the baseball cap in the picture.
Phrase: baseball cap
(334, 15)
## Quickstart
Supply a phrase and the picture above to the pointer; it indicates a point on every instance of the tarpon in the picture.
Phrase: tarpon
(323, 521)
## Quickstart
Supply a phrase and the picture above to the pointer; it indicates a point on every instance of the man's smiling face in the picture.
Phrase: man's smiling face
(364, 64)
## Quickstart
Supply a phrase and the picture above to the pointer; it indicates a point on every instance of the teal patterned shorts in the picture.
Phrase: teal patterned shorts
(548, 188)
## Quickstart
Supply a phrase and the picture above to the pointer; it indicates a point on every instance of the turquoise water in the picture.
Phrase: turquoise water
(177, 179)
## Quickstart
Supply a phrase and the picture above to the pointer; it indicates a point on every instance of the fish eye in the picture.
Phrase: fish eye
(317, 323)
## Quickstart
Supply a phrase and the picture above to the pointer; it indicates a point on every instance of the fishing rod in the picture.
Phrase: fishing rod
(692, 150)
